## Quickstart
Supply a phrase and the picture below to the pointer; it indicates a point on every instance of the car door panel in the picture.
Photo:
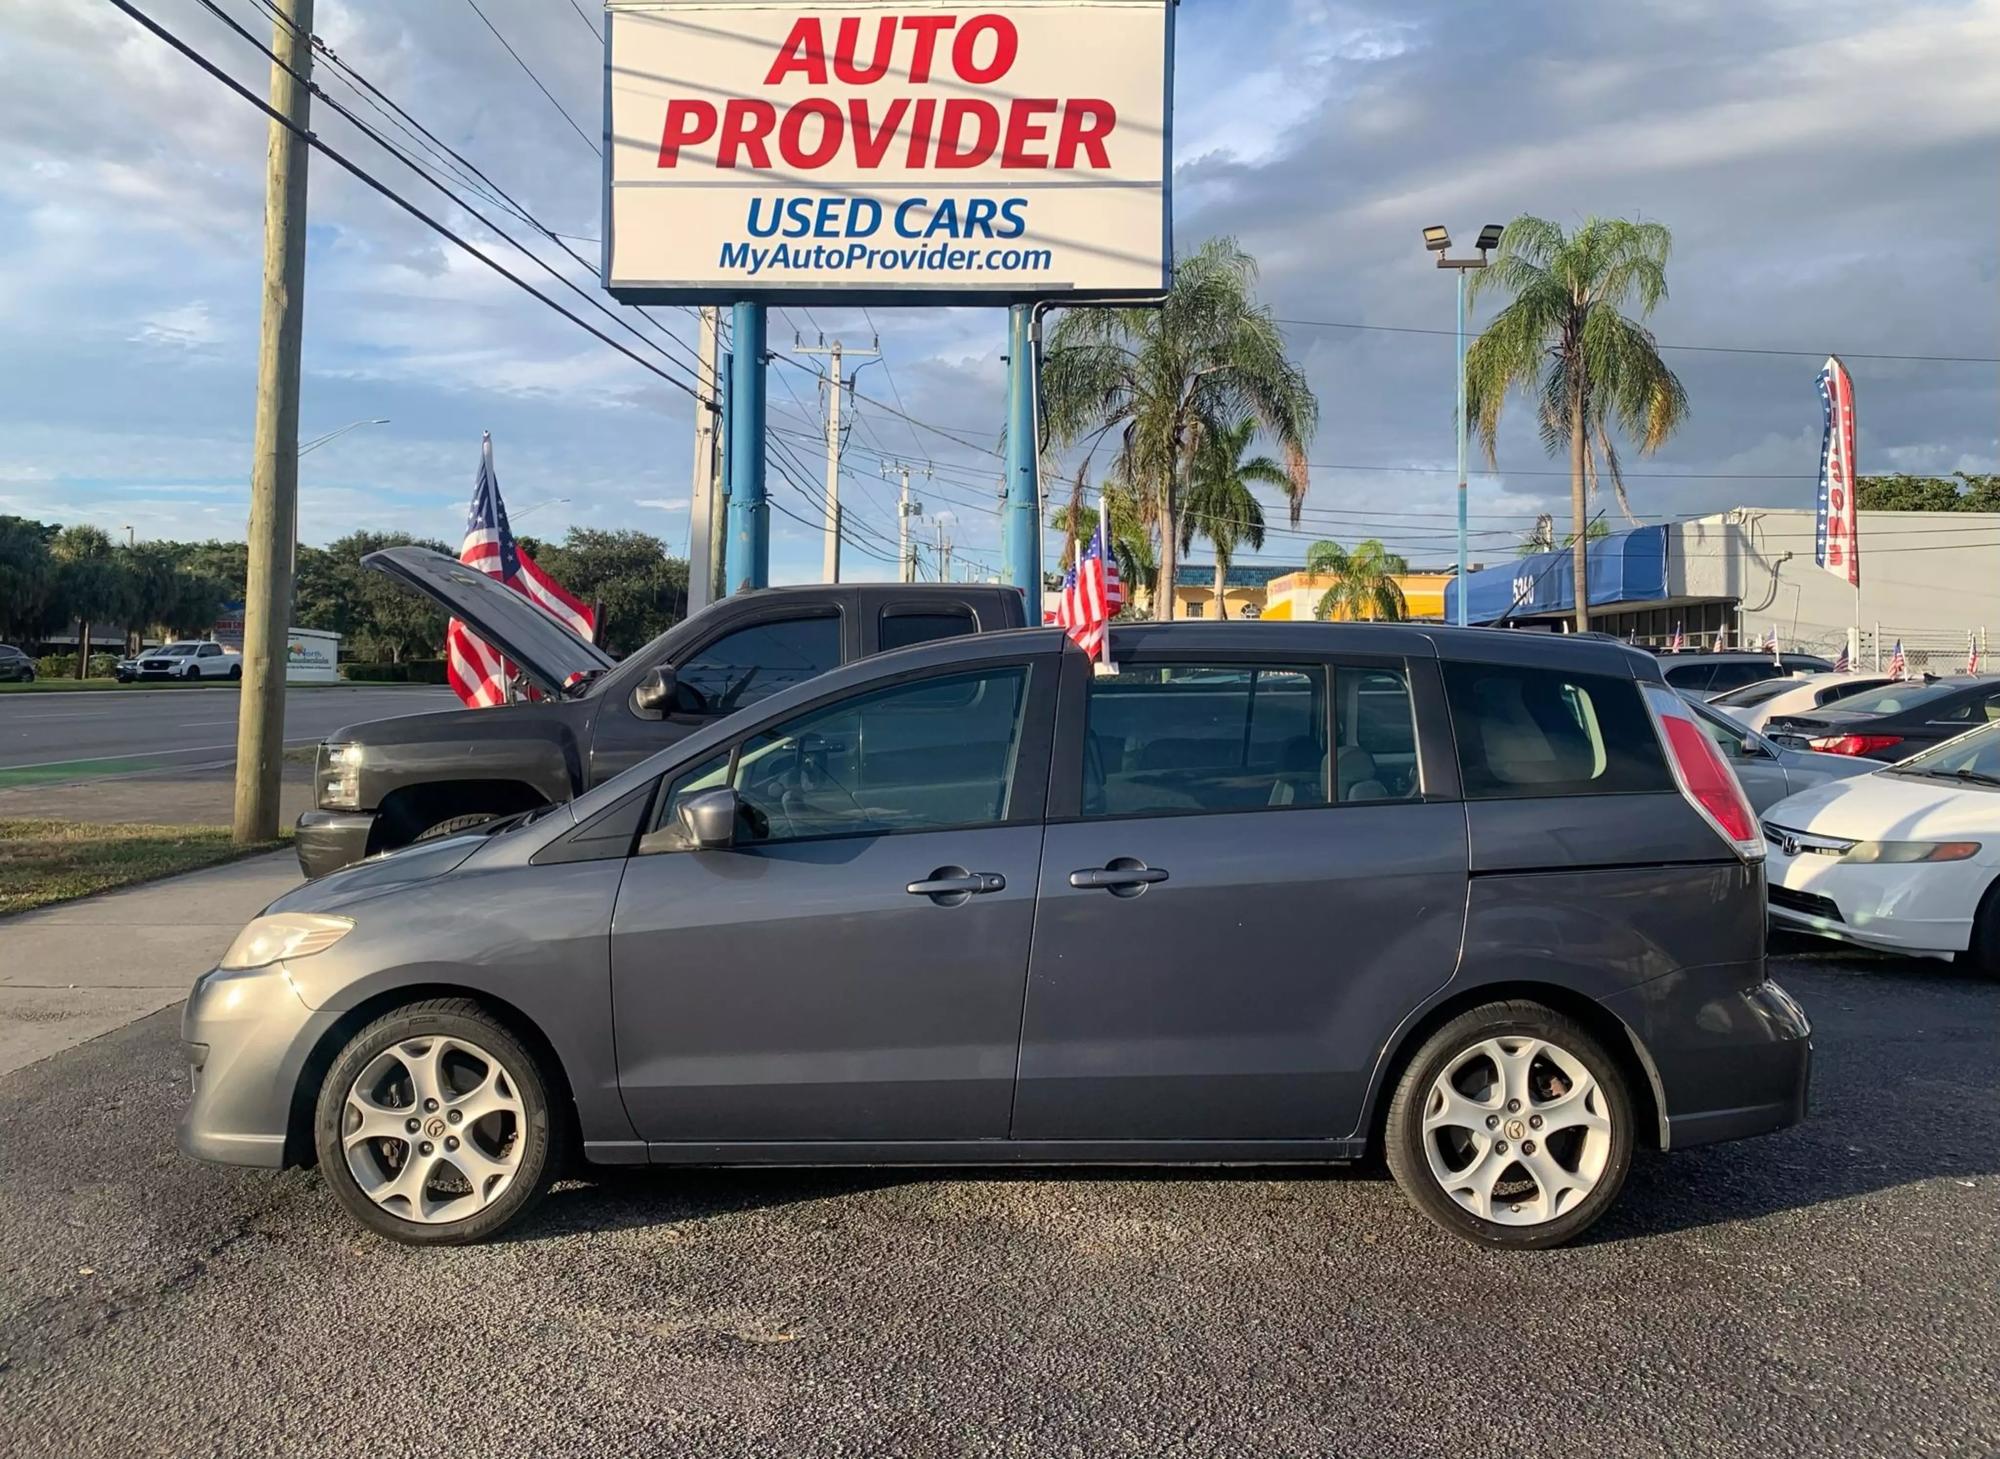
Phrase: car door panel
(800, 992)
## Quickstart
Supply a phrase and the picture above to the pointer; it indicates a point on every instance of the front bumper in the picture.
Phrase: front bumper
(1730, 1052)
(1921, 908)
(329, 840)
(247, 1037)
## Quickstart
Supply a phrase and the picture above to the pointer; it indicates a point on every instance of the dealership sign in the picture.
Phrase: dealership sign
(887, 151)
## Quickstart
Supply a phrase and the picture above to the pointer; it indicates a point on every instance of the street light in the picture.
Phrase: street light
(314, 444)
(1437, 239)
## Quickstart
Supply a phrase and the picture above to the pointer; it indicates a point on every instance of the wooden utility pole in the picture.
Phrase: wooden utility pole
(274, 471)
(705, 521)
(835, 352)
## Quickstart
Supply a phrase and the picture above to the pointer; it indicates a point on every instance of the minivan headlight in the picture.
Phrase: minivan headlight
(1906, 851)
(283, 935)
(338, 776)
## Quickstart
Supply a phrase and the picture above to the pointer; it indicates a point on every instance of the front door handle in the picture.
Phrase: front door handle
(950, 885)
(1123, 876)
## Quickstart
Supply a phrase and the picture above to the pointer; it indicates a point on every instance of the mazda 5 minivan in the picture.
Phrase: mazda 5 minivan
(1489, 904)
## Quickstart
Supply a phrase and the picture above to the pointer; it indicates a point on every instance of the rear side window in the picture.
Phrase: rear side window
(900, 630)
(1536, 732)
(1733, 675)
(1375, 736)
(1695, 676)
(756, 662)
(1186, 738)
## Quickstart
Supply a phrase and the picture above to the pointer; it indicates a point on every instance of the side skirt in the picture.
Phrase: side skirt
(982, 1152)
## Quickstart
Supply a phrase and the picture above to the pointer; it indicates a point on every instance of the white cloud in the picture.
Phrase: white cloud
(187, 327)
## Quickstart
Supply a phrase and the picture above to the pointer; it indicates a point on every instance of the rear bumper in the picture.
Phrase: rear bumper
(1730, 1052)
(329, 840)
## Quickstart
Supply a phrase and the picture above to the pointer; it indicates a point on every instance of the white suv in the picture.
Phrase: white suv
(190, 660)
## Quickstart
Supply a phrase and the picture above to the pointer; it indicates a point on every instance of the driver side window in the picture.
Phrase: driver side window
(922, 756)
(756, 661)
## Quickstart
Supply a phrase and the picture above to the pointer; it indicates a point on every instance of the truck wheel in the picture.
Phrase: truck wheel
(434, 1125)
(236, 671)
(451, 826)
(1512, 1127)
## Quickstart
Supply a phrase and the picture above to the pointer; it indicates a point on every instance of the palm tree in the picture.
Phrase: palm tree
(1562, 342)
(1162, 377)
(1364, 583)
(1219, 504)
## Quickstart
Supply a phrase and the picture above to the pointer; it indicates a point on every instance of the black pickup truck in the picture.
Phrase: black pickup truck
(389, 782)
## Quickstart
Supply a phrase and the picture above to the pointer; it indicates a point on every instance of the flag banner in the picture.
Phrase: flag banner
(1899, 665)
(1678, 642)
(1836, 543)
(1092, 593)
(474, 668)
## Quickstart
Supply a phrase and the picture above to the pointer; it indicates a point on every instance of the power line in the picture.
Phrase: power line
(536, 79)
(595, 34)
(1709, 349)
(370, 180)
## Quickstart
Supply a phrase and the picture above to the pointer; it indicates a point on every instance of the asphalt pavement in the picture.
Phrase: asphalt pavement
(1834, 1290)
(82, 735)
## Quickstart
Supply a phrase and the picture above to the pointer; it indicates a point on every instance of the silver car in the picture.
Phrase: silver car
(1768, 770)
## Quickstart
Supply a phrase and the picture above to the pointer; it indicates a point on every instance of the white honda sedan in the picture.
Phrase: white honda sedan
(1906, 859)
(1755, 705)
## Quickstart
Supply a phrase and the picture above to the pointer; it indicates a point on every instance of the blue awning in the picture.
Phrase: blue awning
(1625, 567)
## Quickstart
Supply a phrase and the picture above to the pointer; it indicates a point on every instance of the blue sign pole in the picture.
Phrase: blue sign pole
(749, 551)
(1021, 518)
(1463, 564)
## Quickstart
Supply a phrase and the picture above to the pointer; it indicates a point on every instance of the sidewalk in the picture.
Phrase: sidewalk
(72, 972)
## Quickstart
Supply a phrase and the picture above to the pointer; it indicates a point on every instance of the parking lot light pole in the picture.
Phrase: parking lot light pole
(1438, 240)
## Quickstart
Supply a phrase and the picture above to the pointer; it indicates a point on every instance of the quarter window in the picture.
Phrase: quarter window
(756, 662)
(1185, 738)
(901, 630)
(1375, 736)
(1536, 732)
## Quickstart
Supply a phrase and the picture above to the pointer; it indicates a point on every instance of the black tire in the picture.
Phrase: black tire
(236, 671)
(451, 826)
(1410, 1160)
(192, 671)
(543, 1134)
(1983, 953)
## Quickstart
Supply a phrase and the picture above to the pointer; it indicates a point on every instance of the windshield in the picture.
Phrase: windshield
(1757, 693)
(1894, 698)
(1972, 756)
(172, 651)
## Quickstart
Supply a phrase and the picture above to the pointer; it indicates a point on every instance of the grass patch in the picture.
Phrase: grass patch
(43, 862)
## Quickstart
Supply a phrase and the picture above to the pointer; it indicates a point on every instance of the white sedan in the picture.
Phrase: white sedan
(1755, 705)
(1906, 859)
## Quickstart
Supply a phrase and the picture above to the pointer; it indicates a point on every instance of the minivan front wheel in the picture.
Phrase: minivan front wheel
(434, 1126)
(1512, 1127)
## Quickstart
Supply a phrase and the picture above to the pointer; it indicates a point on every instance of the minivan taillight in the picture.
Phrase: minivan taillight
(1704, 776)
(1853, 744)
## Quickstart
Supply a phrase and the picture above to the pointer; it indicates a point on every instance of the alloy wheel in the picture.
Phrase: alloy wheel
(432, 1129)
(1517, 1130)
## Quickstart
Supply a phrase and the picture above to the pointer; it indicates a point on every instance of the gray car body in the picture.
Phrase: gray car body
(1769, 771)
(420, 769)
(793, 1004)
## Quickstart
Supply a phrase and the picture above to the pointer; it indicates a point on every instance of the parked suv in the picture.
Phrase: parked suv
(584, 717)
(1709, 674)
(1489, 903)
(189, 659)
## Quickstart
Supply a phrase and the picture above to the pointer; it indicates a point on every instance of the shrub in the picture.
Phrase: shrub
(415, 671)
(56, 666)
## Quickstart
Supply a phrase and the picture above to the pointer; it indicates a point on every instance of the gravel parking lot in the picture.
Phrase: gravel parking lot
(1834, 1290)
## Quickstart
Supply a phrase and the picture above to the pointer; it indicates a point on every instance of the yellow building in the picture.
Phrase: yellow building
(1294, 595)
(1282, 593)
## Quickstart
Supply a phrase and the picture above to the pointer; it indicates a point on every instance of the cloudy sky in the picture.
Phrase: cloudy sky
(1828, 169)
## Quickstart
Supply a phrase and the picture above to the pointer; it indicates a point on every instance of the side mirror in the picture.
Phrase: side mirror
(708, 819)
(657, 692)
(1749, 747)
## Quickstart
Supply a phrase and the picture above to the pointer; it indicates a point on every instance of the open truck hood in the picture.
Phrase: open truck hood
(549, 652)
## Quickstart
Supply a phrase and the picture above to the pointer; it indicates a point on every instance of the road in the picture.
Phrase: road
(1829, 1291)
(61, 736)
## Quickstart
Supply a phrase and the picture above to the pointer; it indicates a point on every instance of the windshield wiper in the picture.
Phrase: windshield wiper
(1975, 777)
(1969, 777)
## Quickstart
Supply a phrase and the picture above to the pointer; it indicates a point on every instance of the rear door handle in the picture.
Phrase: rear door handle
(950, 885)
(1124, 876)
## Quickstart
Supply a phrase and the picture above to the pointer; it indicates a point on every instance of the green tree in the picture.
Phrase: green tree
(1562, 342)
(1130, 535)
(1900, 492)
(643, 590)
(1364, 584)
(1538, 541)
(92, 585)
(1163, 378)
(27, 575)
(1220, 505)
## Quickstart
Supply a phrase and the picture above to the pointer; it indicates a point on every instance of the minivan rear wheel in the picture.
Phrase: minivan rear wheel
(1512, 1127)
(434, 1127)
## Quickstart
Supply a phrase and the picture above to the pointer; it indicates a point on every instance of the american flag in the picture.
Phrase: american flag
(1845, 663)
(1899, 667)
(1678, 642)
(1722, 639)
(1971, 654)
(1771, 644)
(1092, 594)
(476, 670)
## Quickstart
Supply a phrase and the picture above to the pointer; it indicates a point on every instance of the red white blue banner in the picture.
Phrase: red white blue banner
(1836, 542)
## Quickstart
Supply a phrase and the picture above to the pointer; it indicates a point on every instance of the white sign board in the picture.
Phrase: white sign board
(312, 657)
(893, 153)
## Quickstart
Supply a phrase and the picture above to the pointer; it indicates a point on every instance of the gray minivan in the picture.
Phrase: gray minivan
(1490, 904)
